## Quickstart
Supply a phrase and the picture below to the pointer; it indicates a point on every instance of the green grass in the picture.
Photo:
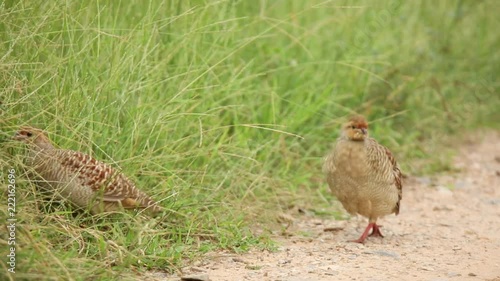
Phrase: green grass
(223, 110)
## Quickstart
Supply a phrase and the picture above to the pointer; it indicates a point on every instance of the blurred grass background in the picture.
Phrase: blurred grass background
(223, 110)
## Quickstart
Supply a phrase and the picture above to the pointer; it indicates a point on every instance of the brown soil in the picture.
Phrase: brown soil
(448, 229)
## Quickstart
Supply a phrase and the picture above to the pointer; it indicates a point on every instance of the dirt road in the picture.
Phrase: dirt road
(448, 229)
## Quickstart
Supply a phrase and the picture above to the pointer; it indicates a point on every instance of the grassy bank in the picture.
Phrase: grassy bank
(223, 110)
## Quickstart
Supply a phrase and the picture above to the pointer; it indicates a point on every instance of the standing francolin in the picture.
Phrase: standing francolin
(363, 175)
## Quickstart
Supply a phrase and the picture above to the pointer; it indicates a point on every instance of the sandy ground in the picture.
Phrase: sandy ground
(448, 229)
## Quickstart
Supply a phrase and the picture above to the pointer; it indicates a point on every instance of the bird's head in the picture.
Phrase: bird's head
(33, 136)
(356, 128)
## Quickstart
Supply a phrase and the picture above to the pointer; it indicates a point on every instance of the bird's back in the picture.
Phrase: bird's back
(88, 183)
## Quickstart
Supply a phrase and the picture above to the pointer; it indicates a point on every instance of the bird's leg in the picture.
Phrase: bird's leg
(376, 231)
(363, 236)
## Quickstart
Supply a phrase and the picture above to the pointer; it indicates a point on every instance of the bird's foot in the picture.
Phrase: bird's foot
(376, 231)
(363, 236)
(359, 240)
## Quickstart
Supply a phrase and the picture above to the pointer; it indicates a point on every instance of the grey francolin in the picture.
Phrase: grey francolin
(81, 179)
(363, 175)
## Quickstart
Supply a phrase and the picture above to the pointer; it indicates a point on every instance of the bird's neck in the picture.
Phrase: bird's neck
(42, 144)
(346, 138)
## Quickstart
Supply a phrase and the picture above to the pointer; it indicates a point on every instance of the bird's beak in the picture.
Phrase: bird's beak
(364, 131)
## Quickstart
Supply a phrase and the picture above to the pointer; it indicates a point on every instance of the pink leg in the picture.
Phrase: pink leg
(363, 236)
(376, 231)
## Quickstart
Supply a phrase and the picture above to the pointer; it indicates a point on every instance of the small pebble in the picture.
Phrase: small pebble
(352, 257)
(333, 229)
(424, 180)
(494, 201)
(197, 269)
(238, 260)
(462, 184)
(383, 253)
(201, 277)
(332, 273)
(444, 191)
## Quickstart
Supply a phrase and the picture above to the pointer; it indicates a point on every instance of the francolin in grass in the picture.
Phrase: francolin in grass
(81, 179)
(363, 175)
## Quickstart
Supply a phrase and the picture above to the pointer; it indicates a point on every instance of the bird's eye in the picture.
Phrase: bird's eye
(353, 127)
(29, 134)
